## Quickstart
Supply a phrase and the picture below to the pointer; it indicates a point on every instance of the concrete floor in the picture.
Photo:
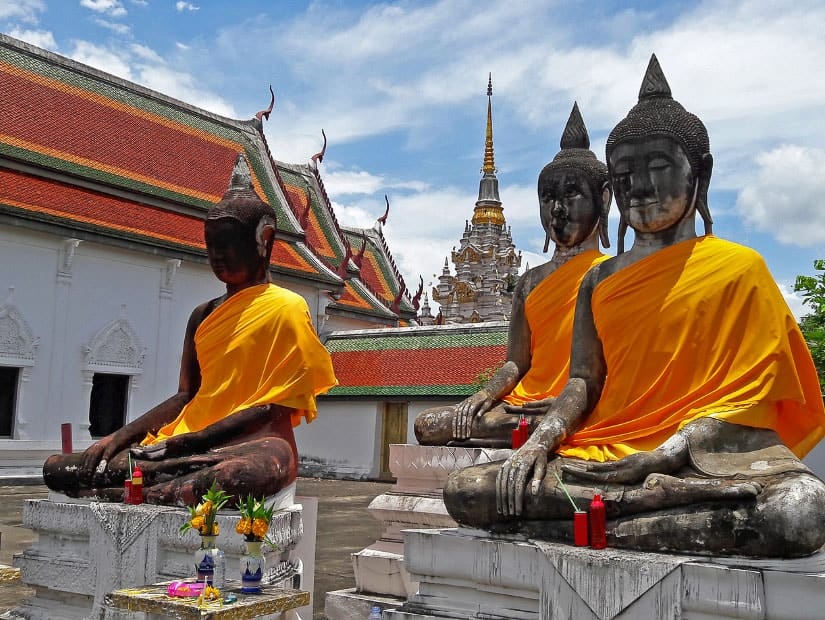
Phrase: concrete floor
(344, 527)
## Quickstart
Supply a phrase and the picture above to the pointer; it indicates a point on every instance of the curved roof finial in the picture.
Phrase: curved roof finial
(654, 83)
(265, 113)
(575, 133)
(383, 218)
(489, 158)
(319, 157)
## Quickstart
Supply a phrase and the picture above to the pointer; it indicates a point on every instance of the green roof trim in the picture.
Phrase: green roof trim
(404, 390)
(439, 341)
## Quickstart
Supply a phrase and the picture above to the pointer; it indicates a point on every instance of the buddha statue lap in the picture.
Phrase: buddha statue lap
(251, 368)
(692, 395)
(574, 199)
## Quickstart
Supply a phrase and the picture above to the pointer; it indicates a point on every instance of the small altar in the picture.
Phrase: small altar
(86, 550)
(273, 603)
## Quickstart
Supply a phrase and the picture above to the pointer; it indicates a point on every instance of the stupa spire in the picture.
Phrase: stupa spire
(489, 157)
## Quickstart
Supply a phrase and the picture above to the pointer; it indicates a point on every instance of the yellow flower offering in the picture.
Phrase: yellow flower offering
(202, 516)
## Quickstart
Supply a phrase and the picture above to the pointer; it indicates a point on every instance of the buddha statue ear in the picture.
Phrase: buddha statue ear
(621, 233)
(702, 185)
(607, 198)
(265, 236)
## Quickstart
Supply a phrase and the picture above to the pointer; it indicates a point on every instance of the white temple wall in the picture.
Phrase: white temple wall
(343, 442)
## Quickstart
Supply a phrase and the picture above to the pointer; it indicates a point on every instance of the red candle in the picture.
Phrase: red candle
(66, 437)
(137, 486)
(521, 433)
(580, 528)
(598, 523)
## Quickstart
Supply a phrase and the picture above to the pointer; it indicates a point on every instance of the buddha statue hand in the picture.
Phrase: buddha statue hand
(512, 478)
(666, 459)
(467, 410)
(168, 448)
(96, 457)
(534, 407)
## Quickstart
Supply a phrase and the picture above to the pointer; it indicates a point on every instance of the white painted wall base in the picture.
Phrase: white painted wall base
(469, 574)
(86, 550)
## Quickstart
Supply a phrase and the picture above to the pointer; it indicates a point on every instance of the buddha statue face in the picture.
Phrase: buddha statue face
(568, 208)
(653, 181)
(232, 251)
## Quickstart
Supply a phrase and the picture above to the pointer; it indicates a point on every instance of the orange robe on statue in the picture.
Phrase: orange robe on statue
(257, 348)
(549, 310)
(697, 329)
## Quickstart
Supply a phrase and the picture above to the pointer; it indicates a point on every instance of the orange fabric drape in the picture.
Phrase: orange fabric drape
(698, 329)
(549, 309)
(257, 348)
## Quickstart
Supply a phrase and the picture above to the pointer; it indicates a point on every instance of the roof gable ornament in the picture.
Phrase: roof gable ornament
(383, 219)
(265, 113)
(319, 157)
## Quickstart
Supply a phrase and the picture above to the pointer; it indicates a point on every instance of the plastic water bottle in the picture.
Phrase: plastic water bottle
(375, 613)
(219, 576)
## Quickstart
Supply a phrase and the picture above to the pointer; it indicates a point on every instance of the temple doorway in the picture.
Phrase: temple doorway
(8, 398)
(107, 406)
(394, 430)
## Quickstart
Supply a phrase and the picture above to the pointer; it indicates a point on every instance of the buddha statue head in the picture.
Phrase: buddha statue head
(240, 231)
(659, 161)
(574, 192)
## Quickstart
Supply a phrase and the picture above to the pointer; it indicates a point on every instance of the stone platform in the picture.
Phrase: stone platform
(87, 550)
(469, 574)
(415, 501)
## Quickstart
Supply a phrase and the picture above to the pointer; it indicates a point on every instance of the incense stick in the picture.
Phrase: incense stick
(564, 488)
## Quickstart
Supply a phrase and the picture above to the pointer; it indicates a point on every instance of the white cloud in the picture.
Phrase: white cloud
(109, 7)
(108, 60)
(40, 38)
(181, 46)
(785, 199)
(794, 301)
(347, 182)
(26, 11)
(186, 6)
(140, 2)
(121, 29)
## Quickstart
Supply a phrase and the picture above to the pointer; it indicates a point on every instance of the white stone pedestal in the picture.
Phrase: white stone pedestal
(470, 574)
(86, 550)
(415, 501)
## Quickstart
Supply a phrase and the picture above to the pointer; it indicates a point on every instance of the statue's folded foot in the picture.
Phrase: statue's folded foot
(701, 489)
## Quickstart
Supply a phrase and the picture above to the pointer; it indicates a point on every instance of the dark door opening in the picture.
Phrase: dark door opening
(8, 398)
(107, 406)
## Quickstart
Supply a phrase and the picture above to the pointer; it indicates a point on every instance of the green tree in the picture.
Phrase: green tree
(813, 325)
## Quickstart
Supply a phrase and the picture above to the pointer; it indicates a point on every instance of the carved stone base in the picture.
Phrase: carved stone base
(87, 550)
(468, 574)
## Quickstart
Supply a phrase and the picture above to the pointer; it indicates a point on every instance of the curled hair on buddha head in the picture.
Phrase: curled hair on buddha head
(657, 113)
(575, 154)
(242, 204)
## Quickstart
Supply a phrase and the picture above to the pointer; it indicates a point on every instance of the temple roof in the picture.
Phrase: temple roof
(85, 151)
(430, 362)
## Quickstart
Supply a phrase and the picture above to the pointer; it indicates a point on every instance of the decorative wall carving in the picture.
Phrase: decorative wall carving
(18, 345)
(115, 348)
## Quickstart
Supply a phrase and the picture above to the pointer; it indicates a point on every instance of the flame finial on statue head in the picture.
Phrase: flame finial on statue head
(575, 134)
(654, 83)
(241, 202)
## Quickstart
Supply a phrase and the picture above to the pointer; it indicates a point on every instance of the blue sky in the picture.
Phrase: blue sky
(400, 89)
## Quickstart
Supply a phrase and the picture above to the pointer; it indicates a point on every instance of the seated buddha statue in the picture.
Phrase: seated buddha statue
(692, 395)
(574, 198)
(251, 368)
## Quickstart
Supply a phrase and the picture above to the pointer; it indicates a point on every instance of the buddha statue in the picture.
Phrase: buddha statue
(574, 198)
(251, 368)
(692, 395)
